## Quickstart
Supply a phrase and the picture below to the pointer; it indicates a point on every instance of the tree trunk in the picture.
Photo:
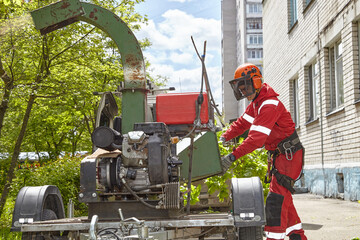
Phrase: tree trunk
(8, 86)
(14, 158)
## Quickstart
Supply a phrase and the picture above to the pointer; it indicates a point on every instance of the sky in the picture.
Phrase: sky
(172, 55)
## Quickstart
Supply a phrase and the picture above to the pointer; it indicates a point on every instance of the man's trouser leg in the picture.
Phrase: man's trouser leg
(281, 216)
(294, 227)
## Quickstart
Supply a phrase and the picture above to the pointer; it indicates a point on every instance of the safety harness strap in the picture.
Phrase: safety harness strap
(289, 146)
(284, 180)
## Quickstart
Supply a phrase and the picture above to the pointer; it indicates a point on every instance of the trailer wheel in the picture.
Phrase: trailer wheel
(47, 214)
(250, 233)
(40, 236)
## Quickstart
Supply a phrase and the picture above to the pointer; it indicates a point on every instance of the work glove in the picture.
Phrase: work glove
(224, 142)
(227, 161)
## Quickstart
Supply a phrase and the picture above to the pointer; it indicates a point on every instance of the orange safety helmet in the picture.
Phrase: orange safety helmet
(247, 80)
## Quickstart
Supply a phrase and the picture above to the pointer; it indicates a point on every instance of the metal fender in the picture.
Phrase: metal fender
(247, 202)
(31, 201)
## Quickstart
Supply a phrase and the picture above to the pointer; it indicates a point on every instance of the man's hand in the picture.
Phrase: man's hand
(227, 161)
(224, 142)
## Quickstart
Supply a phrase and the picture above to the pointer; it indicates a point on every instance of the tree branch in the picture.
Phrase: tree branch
(53, 96)
(3, 74)
(57, 55)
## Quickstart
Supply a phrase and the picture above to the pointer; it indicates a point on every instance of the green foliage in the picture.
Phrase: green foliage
(253, 164)
(194, 195)
(5, 234)
(62, 69)
(63, 173)
(209, 211)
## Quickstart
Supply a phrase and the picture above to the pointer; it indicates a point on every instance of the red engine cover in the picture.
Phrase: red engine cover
(179, 108)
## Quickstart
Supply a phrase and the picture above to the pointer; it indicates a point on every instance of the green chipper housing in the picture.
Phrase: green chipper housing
(131, 182)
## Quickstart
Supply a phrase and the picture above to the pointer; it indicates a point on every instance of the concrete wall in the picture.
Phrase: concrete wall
(335, 180)
(228, 25)
(332, 140)
(234, 49)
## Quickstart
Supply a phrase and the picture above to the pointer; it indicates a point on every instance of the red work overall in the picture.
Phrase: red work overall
(269, 123)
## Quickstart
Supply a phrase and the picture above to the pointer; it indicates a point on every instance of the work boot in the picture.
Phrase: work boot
(295, 236)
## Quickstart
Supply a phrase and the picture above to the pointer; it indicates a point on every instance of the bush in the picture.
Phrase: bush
(63, 173)
(250, 165)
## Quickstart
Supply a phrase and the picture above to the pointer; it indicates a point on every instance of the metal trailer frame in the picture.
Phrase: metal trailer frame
(247, 212)
(190, 226)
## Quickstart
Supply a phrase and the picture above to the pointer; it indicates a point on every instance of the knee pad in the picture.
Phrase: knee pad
(273, 209)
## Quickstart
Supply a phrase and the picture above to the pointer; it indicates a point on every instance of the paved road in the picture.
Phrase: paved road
(328, 219)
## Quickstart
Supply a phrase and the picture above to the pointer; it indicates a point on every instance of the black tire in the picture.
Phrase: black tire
(47, 214)
(31, 236)
(39, 236)
(250, 233)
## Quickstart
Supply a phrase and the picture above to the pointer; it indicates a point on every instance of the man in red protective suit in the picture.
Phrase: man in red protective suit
(269, 124)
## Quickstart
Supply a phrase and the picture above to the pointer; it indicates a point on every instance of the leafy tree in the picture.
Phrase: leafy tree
(47, 81)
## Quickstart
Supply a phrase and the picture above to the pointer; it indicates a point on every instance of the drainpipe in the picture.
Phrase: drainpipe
(321, 105)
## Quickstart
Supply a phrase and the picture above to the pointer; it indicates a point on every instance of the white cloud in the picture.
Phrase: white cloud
(182, 58)
(172, 54)
(189, 80)
(181, 1)
(175, 31)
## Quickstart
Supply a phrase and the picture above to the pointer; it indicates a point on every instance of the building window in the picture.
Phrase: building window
(254, 8)
(292, 12)
(307, 2)
(358, 36)
(314, 91)
(255, 23)
(296, 102)
(255, 53)
(242, 105)
(336, 76)
(255, 39)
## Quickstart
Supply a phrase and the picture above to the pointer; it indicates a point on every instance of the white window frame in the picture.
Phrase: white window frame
(254, 23)
(296, 102)
(336, 76)
(254, 8)
(293, 12)
(314, 91)
(254, 54)
(307, 2)
(255, 39)
(358, 36)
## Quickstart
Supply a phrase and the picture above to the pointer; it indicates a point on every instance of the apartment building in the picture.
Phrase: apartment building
(242, 42)
(311, 58)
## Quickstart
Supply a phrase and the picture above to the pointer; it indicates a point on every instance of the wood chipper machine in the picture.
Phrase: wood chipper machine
(131, 182)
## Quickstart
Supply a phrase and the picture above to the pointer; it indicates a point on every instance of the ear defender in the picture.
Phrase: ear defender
(257, 83)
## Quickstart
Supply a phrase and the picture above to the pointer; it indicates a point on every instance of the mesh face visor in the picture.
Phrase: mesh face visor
(242, 87)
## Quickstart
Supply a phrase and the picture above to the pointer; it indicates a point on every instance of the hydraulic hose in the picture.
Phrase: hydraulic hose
(136, 196)
(148, 187)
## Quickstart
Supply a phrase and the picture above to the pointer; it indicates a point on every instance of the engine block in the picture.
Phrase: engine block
(145, 171)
